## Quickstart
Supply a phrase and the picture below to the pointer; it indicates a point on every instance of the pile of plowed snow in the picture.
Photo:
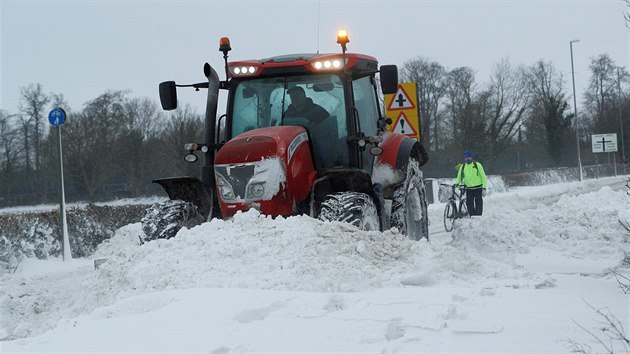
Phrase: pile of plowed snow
(582, 226)
(254, 251)
(248, 251)
(303, 254)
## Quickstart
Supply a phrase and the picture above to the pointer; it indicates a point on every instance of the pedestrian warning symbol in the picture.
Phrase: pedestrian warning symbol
(401, 100)
(403, 126)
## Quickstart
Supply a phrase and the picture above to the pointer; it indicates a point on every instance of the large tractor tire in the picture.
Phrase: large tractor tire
(409, 205)
(354, 208)
(165, 219)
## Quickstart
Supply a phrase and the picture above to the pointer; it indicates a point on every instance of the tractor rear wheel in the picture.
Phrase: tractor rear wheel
(354, 208)
(165, 219)
(409, 205)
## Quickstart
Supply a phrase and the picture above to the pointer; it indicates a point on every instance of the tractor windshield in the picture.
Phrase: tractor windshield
(315, 102)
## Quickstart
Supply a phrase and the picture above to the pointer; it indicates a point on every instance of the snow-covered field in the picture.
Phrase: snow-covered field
(525, 277)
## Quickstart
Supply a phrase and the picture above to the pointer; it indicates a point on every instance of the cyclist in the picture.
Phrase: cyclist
(471, 172)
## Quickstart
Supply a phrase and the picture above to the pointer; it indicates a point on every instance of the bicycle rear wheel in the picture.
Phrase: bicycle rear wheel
(449, 216)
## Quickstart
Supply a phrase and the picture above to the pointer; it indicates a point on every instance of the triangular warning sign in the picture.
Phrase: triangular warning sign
(401, 100)
(403, 126)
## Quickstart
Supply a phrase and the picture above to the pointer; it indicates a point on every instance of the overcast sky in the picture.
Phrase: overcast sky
(83, 48)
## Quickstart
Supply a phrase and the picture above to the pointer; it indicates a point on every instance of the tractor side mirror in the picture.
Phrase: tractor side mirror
(168, 95)
(389, 79)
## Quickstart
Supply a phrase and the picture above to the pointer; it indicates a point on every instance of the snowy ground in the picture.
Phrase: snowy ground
(525, 277)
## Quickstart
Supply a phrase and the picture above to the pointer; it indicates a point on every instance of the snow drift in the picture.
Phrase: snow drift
(495, 279)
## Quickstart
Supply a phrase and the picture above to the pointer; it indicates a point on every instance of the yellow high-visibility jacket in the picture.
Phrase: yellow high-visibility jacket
(472, 174)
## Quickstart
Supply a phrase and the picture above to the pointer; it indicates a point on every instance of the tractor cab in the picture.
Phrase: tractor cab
(332, 101)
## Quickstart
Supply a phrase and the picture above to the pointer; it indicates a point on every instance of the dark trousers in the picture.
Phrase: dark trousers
(474, 201)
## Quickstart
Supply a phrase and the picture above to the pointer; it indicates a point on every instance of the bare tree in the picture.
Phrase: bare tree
(550, 120)
(91, 140)
(430, 84)
(509, 96)
(626, 15)
(58, 100)
(460, 106)
(8, 137)
(32, 107)
(602, 91)
(143, 122)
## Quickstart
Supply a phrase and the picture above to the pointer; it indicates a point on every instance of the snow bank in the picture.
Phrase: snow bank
(255, 251)
(300, 254)
(583, 226)
(250, 251)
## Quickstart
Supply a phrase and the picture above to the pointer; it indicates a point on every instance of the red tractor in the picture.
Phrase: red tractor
(303, 134)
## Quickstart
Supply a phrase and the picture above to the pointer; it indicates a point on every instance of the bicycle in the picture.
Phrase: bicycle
(455, 207)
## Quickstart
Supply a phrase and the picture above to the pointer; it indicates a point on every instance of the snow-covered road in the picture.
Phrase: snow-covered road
(522, 278)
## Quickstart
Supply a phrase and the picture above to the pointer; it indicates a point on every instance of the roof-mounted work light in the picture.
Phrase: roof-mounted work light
(342, 38)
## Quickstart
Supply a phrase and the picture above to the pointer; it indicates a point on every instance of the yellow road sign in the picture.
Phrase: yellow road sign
(402, 109)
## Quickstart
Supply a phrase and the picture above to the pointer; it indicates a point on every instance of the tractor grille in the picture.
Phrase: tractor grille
(237, 176)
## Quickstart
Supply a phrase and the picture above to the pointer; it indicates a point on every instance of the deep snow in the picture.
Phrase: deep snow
(519, 279)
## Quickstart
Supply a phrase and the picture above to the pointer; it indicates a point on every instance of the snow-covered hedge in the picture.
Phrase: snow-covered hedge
(541, 177)
(38, 234)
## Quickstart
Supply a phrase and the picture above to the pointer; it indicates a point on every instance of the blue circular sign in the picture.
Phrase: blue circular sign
(57, 116)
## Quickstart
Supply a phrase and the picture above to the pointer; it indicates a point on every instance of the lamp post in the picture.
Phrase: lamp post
(518, 150)
(623, 148)
(577, 132)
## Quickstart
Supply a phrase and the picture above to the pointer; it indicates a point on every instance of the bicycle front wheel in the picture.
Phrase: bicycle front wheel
(463, 210)
(450, 212)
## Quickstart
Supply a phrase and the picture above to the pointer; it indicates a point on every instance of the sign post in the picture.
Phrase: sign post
(57, 117)
(604, 143)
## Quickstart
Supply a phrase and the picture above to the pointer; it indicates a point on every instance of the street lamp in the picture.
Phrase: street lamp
(623, 148)
(577, 133)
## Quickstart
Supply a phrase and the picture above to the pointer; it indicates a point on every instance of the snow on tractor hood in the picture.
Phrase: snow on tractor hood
(253, 181)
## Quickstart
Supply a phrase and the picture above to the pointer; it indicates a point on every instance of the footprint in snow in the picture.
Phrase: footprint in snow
(259, 314)
(395, 329)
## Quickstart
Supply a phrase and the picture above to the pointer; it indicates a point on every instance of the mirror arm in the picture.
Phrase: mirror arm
(225, 85)
(196, 86)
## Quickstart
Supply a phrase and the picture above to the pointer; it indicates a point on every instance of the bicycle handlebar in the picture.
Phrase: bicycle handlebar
(453, 185)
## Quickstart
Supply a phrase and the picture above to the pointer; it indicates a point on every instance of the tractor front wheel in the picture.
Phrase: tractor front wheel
(165, 219)
(354, 208)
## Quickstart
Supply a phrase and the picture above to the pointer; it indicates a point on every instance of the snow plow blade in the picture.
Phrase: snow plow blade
(188, 189)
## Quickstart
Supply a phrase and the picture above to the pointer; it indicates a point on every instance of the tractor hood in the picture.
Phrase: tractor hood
(270, 169)
(263, 143)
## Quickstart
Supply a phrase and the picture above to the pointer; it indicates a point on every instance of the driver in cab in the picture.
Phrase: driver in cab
(302, 106)
(323, 135)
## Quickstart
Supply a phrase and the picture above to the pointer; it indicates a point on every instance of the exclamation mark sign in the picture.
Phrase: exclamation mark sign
(402, 126)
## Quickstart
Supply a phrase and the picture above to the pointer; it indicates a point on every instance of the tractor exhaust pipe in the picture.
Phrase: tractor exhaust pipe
(207, 170)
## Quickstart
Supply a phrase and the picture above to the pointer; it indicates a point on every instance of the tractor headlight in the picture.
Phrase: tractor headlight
(225, 188)
(243, 70)
(255, 190)
(332, 64)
